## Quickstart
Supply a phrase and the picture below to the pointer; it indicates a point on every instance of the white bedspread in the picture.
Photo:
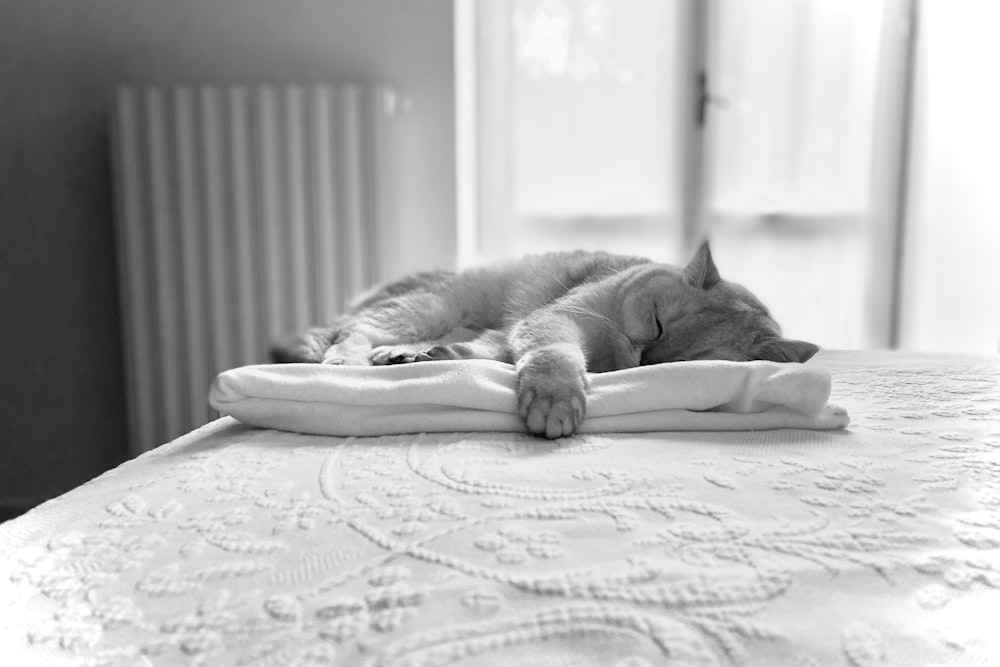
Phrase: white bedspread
(878, 544)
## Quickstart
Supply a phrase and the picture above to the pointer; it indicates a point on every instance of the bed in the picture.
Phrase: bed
(235, 545)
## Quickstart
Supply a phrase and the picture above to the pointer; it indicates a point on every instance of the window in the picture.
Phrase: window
(773, 127)
(791, 159)
(577, 111)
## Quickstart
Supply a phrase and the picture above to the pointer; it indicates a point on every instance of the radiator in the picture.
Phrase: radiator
(243, 213)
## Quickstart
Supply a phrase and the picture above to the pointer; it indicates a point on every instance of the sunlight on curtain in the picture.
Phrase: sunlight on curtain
(952, 289)
(797, 85)
(789, 202)
(593, 115)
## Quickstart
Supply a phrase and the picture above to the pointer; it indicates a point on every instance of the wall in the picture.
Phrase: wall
(952, 272)
(61, 386)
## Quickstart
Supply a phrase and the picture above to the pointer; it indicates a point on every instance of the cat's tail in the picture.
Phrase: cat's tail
(304, 348)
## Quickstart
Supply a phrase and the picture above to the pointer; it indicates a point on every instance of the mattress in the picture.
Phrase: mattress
(233, 545)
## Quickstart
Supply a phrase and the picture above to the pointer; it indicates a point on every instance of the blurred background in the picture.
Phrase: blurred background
(181, 182)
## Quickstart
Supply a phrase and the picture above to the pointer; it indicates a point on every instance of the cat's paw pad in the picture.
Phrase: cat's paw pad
(437, 353)
(552, 413)
(389, 355)
(552, 390)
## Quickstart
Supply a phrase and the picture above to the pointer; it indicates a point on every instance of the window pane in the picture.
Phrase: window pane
(795, 87)
(594, 154)
(795, 83)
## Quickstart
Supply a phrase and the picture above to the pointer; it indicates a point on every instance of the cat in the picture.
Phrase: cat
(555, 317)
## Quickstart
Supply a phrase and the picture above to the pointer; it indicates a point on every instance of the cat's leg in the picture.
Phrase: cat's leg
(488, 344)
(354, 344)
(403, 321)
(306, 348)
(548, 351)
(347, 342)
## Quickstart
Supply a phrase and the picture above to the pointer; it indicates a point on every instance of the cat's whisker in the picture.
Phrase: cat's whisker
(590, 313)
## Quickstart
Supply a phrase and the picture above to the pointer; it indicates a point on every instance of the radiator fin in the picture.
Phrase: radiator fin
(243, 213)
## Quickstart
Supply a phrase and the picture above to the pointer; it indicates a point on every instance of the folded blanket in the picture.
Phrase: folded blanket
(479, 395)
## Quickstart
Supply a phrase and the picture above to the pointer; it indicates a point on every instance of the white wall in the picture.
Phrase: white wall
(952, 264)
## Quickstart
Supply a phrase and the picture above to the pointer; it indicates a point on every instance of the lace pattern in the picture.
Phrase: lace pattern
(235, 546)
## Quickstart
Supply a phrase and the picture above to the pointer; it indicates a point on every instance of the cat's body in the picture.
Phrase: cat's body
(555, 317)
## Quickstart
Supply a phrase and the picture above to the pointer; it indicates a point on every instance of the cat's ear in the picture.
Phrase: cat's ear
(700, 271)
(785, 350)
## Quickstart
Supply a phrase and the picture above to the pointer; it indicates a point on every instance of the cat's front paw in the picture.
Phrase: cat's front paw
(390, 355)
(551, 393)
(339, 356)
(554, 415)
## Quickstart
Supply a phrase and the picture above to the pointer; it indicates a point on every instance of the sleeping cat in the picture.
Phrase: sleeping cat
(554, 317)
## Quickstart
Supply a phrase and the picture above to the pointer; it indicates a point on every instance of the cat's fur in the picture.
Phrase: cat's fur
(555, 317)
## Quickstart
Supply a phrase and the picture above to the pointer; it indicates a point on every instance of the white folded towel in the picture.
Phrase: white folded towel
(479, 395)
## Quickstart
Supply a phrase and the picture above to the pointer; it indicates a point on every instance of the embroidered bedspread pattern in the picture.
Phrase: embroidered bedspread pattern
(236, 546)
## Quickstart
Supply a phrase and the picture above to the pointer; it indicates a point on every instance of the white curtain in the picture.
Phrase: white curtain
(951, 296)
(794, 86)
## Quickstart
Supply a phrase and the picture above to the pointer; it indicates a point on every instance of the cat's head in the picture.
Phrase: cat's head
(702, 316)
